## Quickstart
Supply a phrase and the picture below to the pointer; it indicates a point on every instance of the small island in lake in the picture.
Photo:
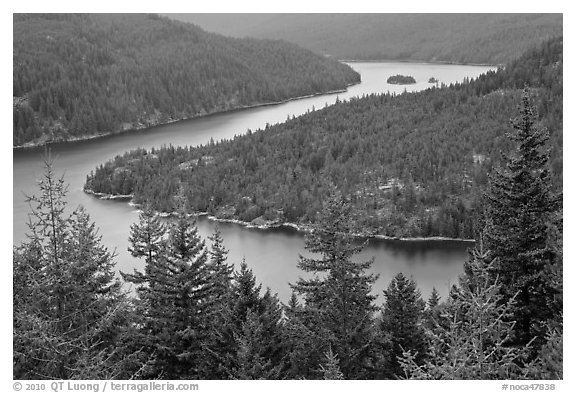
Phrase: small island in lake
(401, 80)
(433, 80)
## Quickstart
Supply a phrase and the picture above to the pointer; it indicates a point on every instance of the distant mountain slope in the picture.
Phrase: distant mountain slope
(77, 76)
(413, 164)
(465, 38)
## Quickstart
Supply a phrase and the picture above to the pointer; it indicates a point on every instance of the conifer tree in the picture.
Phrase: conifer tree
(522, 218)
(49, 229)
(331, 369)
(272, 321)
(190, 279)
(402, 321)
(338, 302)
(301, 343)
(246, 294)
(92, 269)
(473, 339)
(434, 299)
(433, 310)
(220, 270)
(293, 305)
(147, 237)
(252, 360)
(68, 306)
(175, 295)
(221, 342)
(255, 316)
(549, 363)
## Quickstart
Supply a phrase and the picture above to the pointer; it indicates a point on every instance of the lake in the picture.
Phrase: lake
(272, 254)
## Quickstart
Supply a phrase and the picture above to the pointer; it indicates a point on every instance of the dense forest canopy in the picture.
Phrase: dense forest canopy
(413, 164)
(463, 38)
(77, 76)
(194, 317)
(480, 159)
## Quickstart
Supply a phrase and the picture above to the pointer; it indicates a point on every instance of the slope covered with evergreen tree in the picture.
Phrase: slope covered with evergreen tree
(192, 319)
(504, 320)
(464, 38)
(412, 165)
(77, 76)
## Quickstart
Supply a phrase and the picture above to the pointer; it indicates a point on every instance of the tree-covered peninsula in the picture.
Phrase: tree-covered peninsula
(194, 316)
(78, 76)
(412, 165)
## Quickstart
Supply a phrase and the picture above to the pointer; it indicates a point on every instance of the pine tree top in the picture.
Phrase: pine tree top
(434, 299)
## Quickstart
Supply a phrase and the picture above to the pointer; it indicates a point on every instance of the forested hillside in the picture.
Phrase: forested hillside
(78, 76)
(465, 38)
(412, 165)
(195, 317)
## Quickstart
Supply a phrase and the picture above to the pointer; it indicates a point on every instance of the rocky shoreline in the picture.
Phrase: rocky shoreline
(104, 196)
(260, 223)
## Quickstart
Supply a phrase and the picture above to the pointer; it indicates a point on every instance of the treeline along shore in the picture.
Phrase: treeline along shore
(263, 224)
(78, 76)
(481, 160)
(158, 122)
(194, 316)
(413, 165)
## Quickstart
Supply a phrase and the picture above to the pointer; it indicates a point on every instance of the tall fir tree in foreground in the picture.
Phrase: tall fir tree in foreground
(221, 271)
(68, 306)
(256, 327)
(504, 320)
(147, 237)
(403, 324)
(303, 345)
(433, 311)
(338, 304)
(220, 343)
(175, 295)
(523, 225)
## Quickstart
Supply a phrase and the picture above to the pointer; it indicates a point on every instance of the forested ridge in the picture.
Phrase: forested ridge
(412, 165)
(195, 317)
(460, 38)
(82, 75)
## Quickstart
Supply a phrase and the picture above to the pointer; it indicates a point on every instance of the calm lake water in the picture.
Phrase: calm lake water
(272, 254)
